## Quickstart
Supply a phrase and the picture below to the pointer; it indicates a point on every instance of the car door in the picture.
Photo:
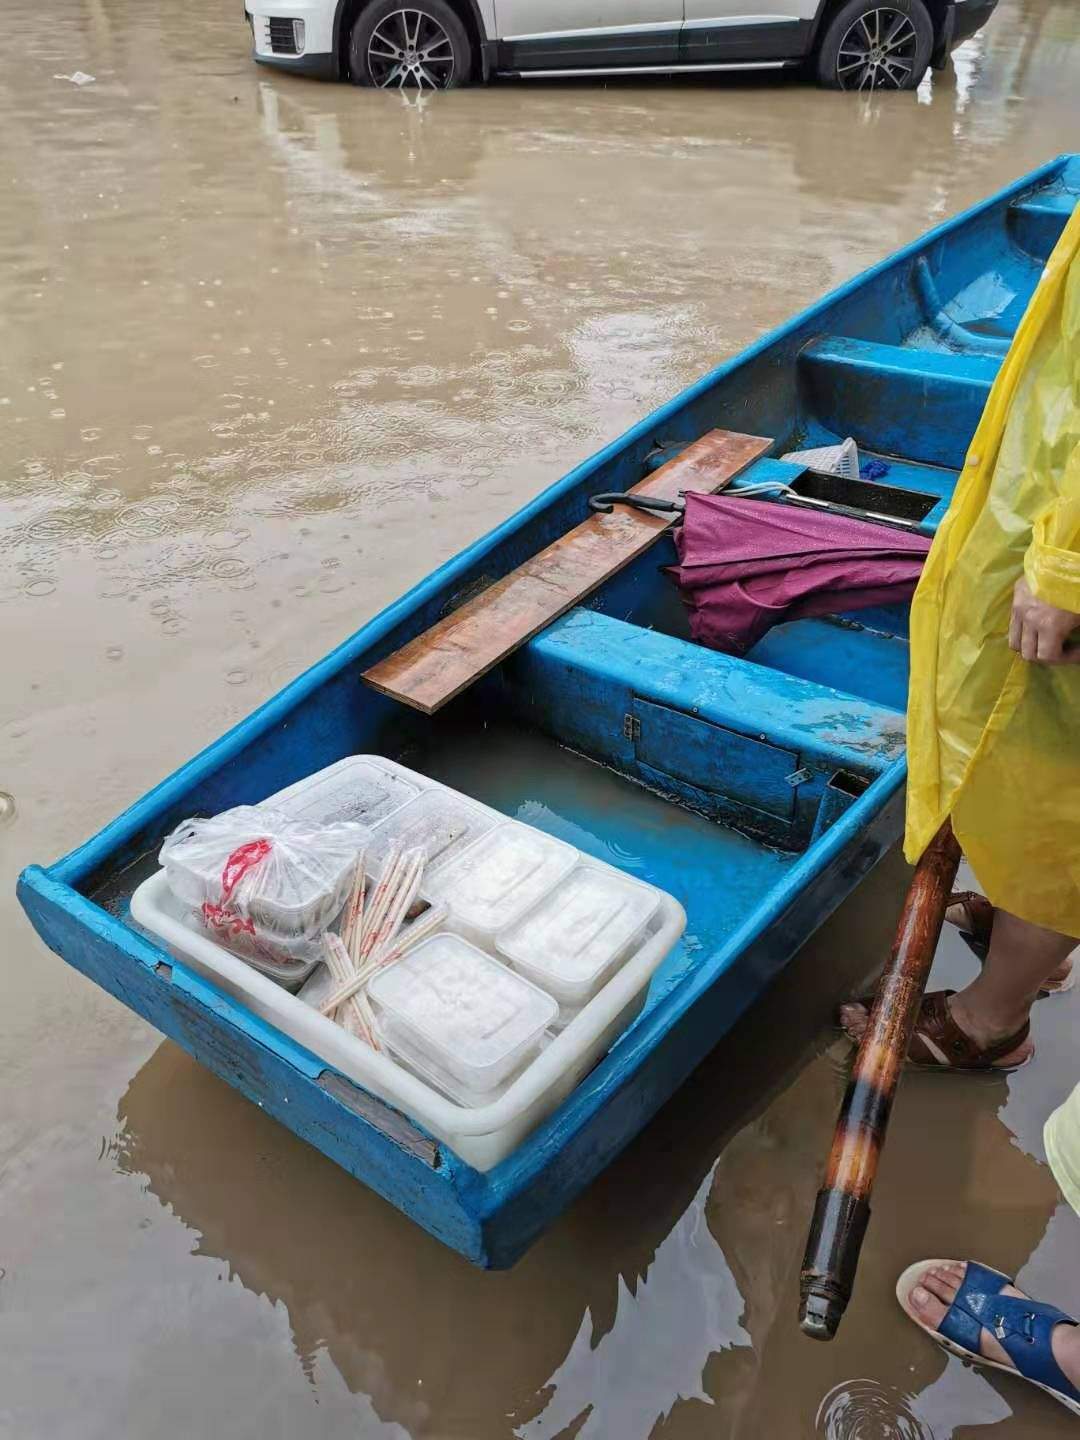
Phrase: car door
(545, 36)
(717, 32)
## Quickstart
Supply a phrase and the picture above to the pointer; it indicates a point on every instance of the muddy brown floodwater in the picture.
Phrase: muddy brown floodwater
(270, 350)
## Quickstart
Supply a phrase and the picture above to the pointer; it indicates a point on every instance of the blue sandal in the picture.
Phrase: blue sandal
(1022, 1327)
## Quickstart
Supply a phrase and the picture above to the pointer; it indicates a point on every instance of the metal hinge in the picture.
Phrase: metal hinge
(631, 727)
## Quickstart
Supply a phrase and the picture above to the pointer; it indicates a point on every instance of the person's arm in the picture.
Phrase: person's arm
(1046, 599)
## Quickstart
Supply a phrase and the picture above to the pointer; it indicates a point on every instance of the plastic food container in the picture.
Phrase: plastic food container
(574, 938)
(359, 788)
(498, 878)
(290, 974)
(438, 820)
(461, 1012)
(292, 891)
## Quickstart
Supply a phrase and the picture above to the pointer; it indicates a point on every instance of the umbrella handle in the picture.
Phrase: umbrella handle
(602, 504)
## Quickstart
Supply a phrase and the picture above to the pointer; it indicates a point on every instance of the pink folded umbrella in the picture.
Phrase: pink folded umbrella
(746, 565)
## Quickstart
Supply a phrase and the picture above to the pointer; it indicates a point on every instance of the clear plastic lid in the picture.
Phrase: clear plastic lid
(469, 1014)
(439, 821)
(401, 1042)
(572, 940)
(499, 877)
(357, 789)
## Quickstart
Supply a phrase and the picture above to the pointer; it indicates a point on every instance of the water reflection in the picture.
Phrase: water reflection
(627, 1309)
(685, 1309)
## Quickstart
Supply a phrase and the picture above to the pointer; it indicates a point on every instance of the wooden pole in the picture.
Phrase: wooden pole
(842, 1211)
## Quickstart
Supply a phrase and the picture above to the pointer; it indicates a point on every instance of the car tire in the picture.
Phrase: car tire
(876, 45)
(400, 45)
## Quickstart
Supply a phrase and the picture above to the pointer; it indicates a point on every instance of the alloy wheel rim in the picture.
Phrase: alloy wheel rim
(410, 48)
(878, 51)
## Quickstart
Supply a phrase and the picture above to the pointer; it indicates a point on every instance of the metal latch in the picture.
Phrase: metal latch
(631, 727)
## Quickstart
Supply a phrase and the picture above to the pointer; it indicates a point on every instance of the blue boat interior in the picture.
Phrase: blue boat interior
(723, 780)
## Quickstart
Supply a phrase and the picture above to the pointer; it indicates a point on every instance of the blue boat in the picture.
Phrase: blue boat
(759, 791)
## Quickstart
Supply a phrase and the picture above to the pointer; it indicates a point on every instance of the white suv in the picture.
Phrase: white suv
(437, 44)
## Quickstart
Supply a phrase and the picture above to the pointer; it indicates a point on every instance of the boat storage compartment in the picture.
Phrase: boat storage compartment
(868, 497)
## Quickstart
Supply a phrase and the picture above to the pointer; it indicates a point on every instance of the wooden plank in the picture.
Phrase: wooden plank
(442, 662)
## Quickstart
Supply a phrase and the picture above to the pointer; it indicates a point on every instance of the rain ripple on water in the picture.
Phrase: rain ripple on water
(869, 1410)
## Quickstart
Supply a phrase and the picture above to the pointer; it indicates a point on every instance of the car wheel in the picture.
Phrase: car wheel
(398, 47)
(876, 45)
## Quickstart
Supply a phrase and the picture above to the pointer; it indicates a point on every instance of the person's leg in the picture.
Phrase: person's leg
(973, 913)
(998, 1001)
(1022, 958)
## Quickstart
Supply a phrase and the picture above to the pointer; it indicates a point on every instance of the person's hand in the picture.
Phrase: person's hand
(1041, 632)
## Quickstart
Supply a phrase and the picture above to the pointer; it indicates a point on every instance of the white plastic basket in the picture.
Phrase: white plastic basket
(481, 1136)
(842, 459)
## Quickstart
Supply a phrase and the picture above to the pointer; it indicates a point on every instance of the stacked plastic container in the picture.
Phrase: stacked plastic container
(534, 930)
(545, 957)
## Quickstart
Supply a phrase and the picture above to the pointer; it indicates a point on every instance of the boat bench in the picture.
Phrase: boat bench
(875, 392)
(1037, 218)
(772, 754)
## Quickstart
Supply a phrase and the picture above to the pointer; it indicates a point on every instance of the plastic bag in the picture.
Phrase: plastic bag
(993, 739)
(263, 884)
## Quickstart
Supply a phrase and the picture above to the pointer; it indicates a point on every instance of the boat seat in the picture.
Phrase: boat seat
(737, 741)
(871, 647)
(895, 399)
(1036, 221)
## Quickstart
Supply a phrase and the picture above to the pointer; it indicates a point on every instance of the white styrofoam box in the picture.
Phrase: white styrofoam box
(438, 820)
(498, 878)
(363, 788)
(574, 937)
(454, 1007)
(482, 1135)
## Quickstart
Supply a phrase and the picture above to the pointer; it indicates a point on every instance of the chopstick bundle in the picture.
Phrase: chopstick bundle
(371, 937)
(395, 950)
(358, 1018)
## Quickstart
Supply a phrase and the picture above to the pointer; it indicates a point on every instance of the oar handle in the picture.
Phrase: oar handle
(842, 1211)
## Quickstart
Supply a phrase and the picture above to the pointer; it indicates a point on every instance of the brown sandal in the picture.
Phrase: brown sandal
(939, 1044)
(978, 927)
(978, 920)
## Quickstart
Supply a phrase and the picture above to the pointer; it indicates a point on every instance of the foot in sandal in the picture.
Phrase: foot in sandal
(948, 1036)
(978, 1313)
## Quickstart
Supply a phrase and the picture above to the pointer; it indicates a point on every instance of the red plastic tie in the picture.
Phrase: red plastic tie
(243, 858)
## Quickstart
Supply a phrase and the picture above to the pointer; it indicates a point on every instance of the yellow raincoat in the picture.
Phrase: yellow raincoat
(993, 739)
